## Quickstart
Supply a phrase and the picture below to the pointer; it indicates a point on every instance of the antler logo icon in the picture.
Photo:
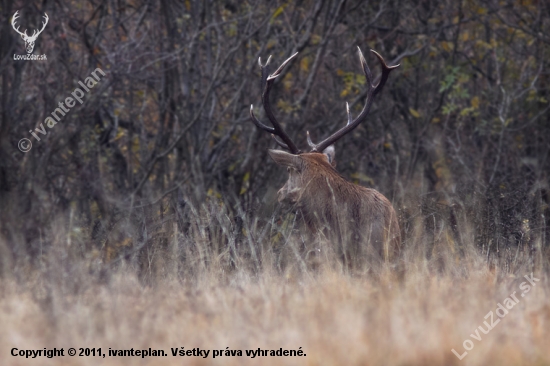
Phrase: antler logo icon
(29, 40)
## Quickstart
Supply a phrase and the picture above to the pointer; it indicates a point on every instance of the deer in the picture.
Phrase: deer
(359, 223)
(29, 40)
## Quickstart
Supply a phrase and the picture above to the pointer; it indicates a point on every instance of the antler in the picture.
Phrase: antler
(15, 16)
(267, 83)
(371, 93)
(36, 33)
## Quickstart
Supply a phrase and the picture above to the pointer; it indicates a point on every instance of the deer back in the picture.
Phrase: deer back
(343, 212)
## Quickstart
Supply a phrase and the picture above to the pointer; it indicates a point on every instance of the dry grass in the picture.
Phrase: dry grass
(335, 318)
(190, 299)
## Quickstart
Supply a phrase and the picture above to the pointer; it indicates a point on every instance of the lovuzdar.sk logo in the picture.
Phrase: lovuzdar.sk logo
(29, 40)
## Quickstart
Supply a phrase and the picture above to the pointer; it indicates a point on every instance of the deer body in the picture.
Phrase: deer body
(359, 223)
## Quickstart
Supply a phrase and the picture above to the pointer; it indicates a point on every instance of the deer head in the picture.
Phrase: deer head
(329, 203)
(29, 40)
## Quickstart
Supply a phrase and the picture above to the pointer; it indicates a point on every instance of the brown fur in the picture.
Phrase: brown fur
(360, 221)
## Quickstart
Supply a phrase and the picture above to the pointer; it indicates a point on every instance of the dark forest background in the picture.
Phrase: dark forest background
(162, 169)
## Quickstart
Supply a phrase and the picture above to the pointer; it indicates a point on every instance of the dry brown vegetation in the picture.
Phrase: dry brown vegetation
(414, 317)
(147, 216)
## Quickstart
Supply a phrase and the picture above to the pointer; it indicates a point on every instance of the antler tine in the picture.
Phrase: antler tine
(15, 16)
(309, 142)
(366, 70)
(267, 83)
(385, 72)
(43, 25)
(350, 119)
(258, 123)
(280, 143)
(267, 62)
(371, 93)
(278, 71)
(47, 19)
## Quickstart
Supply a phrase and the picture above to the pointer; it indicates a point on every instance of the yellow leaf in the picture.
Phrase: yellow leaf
(447, 46)
(414, 113)
(245, 184)
(287, 81)
(278, 12)
(119, 135)
(481, 10)
(213, 193)
(475, 102)
(363, 178)
(304, 64)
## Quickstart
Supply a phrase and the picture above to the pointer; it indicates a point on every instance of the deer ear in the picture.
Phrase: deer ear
(330, 154)
(285, 159)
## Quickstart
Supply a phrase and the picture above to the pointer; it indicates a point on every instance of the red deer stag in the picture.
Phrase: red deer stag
(359, 223)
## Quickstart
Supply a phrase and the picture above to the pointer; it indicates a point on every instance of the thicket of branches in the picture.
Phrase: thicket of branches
(162, 153)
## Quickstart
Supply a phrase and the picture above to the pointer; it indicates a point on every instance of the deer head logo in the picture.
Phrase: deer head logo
(29, 40)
